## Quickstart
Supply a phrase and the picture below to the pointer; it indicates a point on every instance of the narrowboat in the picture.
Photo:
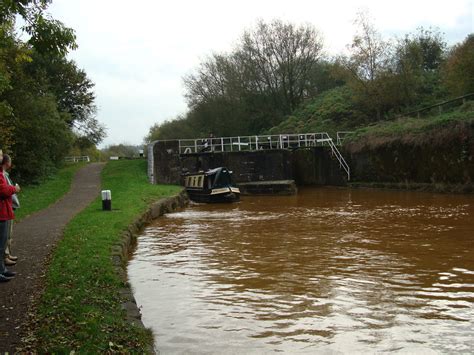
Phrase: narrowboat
(214, 185)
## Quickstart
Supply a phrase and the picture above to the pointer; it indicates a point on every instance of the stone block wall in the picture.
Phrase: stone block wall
(311, 166)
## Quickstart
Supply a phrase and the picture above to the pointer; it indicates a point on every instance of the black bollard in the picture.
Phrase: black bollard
(106, 200)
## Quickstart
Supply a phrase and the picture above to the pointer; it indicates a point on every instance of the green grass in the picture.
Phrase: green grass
(411, 125)
(81, 306)
(37, 197)
(333, 111)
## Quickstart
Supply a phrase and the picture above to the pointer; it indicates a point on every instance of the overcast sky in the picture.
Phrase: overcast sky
(137, 51)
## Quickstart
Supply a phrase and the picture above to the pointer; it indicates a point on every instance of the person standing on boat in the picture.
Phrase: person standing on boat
(208, 143)
(211, 138)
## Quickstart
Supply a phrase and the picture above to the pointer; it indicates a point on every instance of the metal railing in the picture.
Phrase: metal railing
(341, 136)
(76, 159)
(264, 142)
(342, 162)
(252, 143)
(460, 100)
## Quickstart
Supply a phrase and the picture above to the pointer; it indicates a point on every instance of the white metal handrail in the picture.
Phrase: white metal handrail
(342, 162)
(341, 136)
(252, 143)
(76, 159)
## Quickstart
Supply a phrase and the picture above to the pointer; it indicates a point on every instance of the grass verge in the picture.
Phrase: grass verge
(34, 198)
(410, 125)
(81, 306)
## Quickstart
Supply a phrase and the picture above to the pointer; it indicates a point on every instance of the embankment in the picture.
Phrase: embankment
(437, 159)
(121, 250)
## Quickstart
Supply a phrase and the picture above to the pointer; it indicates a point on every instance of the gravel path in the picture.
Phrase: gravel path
(33, 240)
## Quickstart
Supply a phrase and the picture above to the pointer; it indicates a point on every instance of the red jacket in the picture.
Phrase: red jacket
(6, 192)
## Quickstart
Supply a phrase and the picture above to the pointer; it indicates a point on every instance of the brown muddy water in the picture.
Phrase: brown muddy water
(329, 270)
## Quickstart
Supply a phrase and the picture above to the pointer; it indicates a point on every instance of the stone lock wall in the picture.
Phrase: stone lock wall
(246, 166)
(316, 166)
(439, 157)
(166, 163)
(311, 166)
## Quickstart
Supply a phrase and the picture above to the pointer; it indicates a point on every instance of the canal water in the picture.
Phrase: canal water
(329, 270)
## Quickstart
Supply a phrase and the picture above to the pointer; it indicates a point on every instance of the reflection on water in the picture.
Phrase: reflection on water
(326, 270)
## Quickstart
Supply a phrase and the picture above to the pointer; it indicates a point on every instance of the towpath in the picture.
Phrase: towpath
(34, 239)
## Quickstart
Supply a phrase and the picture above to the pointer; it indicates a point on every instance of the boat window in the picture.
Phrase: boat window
(200, 181)
(223, 180)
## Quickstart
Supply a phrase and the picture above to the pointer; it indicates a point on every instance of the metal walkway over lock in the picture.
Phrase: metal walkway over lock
(266, 142)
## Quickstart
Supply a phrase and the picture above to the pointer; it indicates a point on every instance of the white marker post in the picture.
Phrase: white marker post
(106, 200)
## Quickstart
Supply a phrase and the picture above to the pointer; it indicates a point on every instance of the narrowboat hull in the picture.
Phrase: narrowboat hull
(229, 195)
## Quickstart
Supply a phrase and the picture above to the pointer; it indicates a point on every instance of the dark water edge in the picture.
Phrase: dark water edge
(413, 186)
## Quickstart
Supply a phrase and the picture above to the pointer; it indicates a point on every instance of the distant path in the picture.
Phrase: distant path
(33, 240)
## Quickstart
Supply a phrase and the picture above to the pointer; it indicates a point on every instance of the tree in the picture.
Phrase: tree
(6, 117)
(12, 56)
(47, 35)
(42, 138)
(270, 72)
(120, 150)
(214, 78)
(367, 65)
(25, 8)
(458, 71)
(45, 100)
(417, 60)
(180, 127)
(73, 91)
(278, 58)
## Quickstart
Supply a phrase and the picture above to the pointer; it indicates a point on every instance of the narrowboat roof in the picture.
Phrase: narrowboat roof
(208, 172)
(215, 171)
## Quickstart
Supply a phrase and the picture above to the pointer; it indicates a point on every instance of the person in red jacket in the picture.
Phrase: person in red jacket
(6, 214)
(10, 259)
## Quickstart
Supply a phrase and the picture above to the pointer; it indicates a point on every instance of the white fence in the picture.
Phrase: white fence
(253, 143)
(76, 159)
(341, 136)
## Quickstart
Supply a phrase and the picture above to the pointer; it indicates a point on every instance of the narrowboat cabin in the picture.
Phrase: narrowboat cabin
(211, 186)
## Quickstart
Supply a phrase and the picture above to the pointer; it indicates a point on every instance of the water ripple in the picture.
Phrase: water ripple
(330, 270)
